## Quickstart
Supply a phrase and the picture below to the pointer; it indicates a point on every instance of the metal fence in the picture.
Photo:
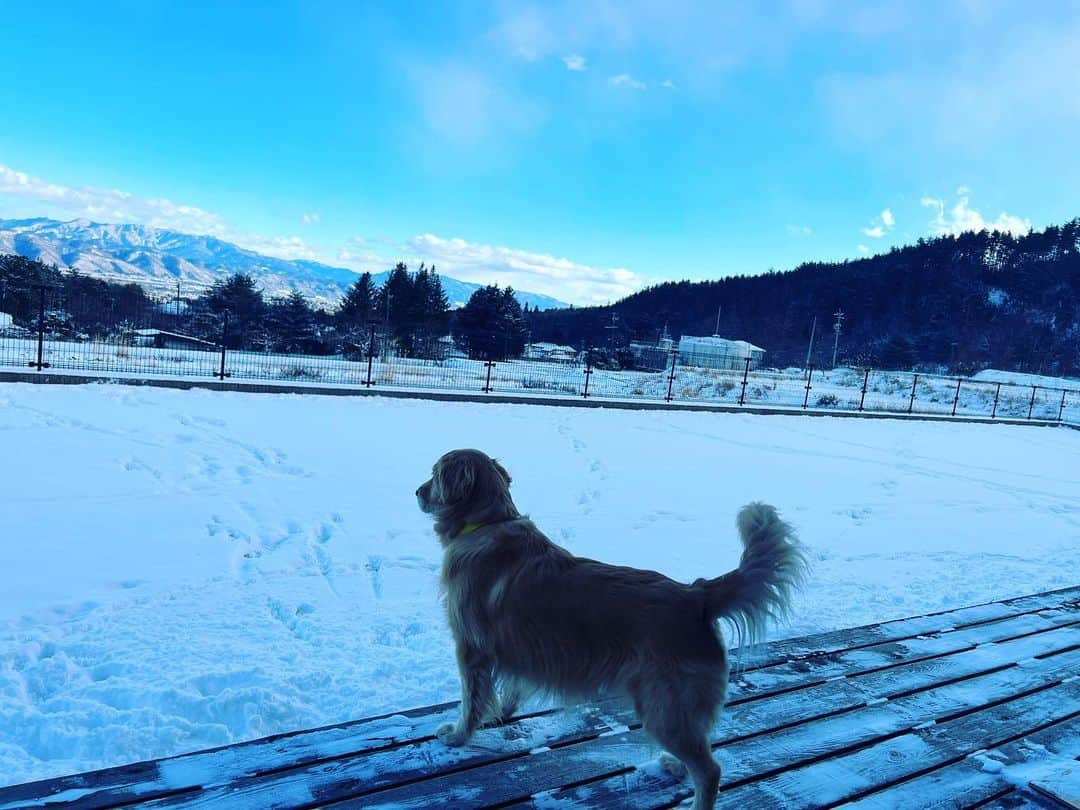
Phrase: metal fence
(169, 340)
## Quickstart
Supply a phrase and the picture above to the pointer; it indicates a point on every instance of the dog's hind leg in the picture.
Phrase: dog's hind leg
(512, 693)
(477, 695)
(682, 733)
(696, 756)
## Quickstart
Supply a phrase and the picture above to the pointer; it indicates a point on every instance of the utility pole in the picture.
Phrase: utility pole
(178, 300)
(810, 348)
(386, 326)
(839, 314)
(716, 332)
(611, 334)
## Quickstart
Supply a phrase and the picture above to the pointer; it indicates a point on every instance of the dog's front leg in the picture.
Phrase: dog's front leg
(477, 691)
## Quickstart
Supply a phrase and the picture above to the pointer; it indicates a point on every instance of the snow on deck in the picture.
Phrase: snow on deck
(184, 569)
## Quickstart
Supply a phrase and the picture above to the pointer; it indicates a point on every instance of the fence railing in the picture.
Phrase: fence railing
(157, 342)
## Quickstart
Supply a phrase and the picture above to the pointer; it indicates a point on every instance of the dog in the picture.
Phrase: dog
(527, 615)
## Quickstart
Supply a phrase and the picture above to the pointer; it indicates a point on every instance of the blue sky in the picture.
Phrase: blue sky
(580, 149)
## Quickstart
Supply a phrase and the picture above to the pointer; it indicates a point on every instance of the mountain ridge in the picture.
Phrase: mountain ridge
(158, 258)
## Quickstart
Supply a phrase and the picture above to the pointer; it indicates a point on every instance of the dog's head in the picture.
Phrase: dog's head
(466, 487)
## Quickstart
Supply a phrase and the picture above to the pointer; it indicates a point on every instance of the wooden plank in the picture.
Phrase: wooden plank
(505, 746)
(835, 780)
(888, 684)
(111, 786)
(1062, 785)
(218, 766)
(970, 781)
(1017, 800)
(747, 721)
(760, 757)
(907, 628)
(818, 669)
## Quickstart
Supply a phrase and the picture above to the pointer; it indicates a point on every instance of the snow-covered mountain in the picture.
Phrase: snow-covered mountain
(157, 259)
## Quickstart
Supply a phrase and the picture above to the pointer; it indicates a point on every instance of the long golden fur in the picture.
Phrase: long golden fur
(527, 614)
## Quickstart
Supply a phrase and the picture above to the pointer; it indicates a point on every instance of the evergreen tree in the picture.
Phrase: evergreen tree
(291, 323)
(396, 308)
(357, 307)
(238, 296)
(491, 326)
(430, 315)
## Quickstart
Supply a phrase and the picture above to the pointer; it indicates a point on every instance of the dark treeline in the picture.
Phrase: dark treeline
(965, 302)
(409, 313)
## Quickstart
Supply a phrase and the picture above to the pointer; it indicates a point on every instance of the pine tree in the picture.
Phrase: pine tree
(491, 326)
(291, 323)
(357, 307)
(238, 296)
(430, 313)
(396, 308)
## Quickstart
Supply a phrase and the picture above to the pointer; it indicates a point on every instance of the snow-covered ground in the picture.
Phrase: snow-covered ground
(182, 569)
(834, 389)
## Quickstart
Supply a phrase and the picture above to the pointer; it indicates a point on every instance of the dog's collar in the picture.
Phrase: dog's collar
(469, 528)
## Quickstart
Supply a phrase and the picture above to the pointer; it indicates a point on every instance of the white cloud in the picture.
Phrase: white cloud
(962, 217)
(524, 270)
(880, 225)
(284, 247)
(799, 230)
(669, 84)
(864, 250)
(109, 205)
(311, 219)
(26, 195)
(626, 80)
(574, 62)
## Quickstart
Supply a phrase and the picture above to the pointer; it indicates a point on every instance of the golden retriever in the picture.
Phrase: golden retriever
(528, 615)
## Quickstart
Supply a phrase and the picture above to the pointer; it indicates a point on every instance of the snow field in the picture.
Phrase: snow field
(182, 569)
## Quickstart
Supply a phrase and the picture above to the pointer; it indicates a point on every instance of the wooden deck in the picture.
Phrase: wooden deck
(975, 707)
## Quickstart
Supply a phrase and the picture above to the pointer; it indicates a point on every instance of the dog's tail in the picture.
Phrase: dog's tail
(773, 565)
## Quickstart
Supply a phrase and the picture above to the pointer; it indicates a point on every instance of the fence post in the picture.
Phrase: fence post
(911, 402)
(1061, 407)
(224, 333)
(956, 398)
(809, 379)
(489, 364)
(745, 374)
(1031, 405)
(671, 376)
(370, 356)
(865, 380)
(997, 394)
(588, 374)
(41, 329)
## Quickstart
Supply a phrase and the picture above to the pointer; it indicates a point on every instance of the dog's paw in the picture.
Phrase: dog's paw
(450, 734)
(673, 766)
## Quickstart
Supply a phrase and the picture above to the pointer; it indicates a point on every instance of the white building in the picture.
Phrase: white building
(550, 351)
(8, 327)
(718, 352)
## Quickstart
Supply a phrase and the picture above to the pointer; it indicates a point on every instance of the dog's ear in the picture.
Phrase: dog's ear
(456, 478)
(501, 470)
